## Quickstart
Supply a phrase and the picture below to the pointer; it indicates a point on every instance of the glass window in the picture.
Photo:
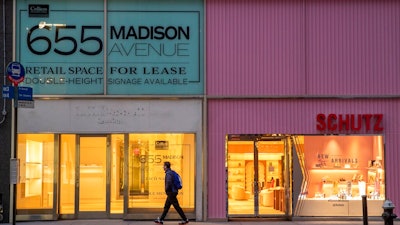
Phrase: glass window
(134, 162)
(146, 155)
(117, 173)
(339, 171)
(92, 173)
(67, 173)
(256, 175)
(36, 155)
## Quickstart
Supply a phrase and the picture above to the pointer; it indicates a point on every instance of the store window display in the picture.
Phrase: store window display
(339, 171)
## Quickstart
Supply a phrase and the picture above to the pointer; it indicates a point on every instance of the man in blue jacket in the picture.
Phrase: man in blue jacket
(171, 192)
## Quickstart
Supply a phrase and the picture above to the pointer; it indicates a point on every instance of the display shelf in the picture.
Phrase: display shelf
(333, 182)
(33, 168)
(334, 169)
(340, 170)
(85, 169)
(331, 207)
(375, 186)
(236, 173)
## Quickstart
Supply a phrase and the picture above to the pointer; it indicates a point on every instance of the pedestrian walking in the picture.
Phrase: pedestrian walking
(172, 191)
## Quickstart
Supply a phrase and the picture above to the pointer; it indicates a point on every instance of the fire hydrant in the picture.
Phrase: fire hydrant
(388, 214)
(1, 213)
(1, 207)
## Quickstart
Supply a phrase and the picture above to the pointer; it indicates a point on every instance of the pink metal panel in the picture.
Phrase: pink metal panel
(353, 47)
(291, 47)
(255, 47)
(290, 116)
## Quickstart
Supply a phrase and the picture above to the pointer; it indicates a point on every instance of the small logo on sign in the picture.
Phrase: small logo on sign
(38, 10)
(161, 145)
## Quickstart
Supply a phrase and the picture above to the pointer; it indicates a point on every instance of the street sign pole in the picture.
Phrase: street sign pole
(16, 74)
(15, 148)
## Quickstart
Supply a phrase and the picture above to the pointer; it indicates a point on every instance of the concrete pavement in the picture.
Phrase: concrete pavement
(320, 221)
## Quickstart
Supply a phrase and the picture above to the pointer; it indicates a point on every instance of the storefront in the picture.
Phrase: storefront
(104, 159)
(335, 170)
(299, 111)
(317, 165)
(118, 89)
(302, 108)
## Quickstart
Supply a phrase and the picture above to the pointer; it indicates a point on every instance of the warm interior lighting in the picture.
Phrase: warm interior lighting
(47, 26)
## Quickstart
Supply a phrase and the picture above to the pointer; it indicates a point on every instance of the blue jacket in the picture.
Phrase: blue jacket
(169, 181)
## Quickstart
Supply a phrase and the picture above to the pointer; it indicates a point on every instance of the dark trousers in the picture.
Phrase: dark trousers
(172, 200)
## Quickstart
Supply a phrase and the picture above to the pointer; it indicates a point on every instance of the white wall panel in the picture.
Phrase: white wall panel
(110, 116)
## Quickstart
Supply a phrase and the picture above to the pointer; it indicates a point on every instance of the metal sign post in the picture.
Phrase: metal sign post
(16, 74)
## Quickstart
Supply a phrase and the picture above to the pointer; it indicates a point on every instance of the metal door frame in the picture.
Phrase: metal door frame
(286, 174)
(93, 214)
(44, 214)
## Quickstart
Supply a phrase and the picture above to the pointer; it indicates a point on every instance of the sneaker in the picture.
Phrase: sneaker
(158, 221)
(184, 222)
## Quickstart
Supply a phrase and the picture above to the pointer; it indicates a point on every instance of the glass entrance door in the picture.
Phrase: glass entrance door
(257, 176)
(272, 155)
(92, 176)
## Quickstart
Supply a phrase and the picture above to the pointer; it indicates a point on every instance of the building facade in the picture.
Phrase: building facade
(293, 91)
(6, 112)
(267, 109)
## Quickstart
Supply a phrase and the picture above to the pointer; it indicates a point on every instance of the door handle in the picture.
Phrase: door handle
(256, 186)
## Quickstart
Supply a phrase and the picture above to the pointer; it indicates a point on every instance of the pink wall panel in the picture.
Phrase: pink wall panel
(255, 47)
(353, 47)
(309, 47)
(291, 116)
(281, 48)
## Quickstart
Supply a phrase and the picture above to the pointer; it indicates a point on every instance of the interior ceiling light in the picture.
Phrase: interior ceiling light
(43, 24)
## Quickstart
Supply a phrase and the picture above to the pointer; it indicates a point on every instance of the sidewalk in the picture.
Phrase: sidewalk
(236, 222)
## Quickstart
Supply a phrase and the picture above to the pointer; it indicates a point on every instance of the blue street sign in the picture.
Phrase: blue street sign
(25, 93)
(15, 72)
(8, 92)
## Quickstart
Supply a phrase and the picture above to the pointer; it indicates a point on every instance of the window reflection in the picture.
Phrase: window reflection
(67, 173)
(146, 154)
(36, 154)
(135, 164)
(117, 173)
